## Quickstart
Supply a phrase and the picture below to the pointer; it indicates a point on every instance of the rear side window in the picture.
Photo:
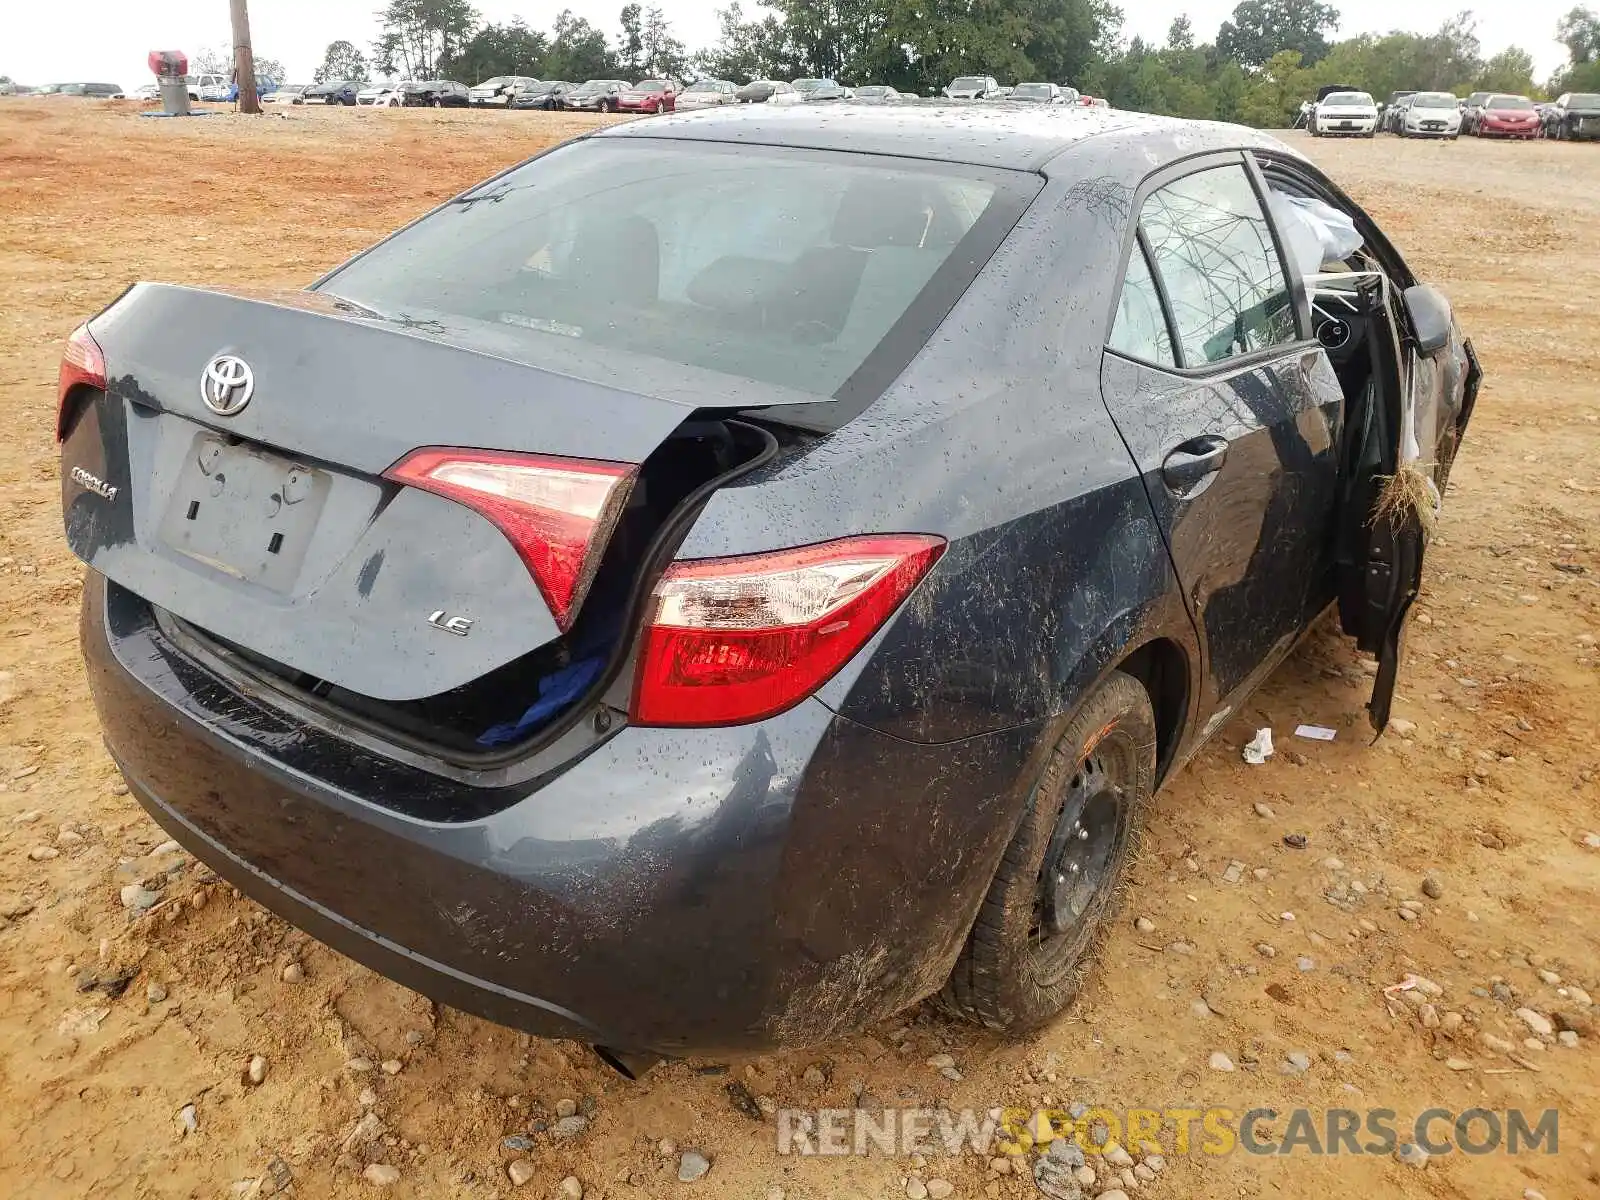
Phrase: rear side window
(1141, 325)
(1218, 261)
(782, 267)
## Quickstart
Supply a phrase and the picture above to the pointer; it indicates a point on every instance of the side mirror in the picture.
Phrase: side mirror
(1431, 319)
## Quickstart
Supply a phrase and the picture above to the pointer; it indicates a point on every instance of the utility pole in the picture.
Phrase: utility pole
(244, 62)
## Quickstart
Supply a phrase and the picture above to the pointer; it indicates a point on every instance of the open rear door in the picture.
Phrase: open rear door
(1413, 414)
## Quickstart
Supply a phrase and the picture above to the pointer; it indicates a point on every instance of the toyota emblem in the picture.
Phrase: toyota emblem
(227, 385)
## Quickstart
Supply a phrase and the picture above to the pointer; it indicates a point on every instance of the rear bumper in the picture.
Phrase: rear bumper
(776, 884)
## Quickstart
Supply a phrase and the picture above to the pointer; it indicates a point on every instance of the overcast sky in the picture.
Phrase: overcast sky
(106, 40)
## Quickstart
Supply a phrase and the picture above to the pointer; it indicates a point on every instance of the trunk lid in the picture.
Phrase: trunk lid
(273, 528)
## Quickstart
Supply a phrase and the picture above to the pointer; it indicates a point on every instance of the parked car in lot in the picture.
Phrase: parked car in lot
(496, 92)
(1389, 114)
(816, 90)
(1510, 117)
(973, 87)
(877, 93)
(382, 95)
(768, 91)
(1038, 93)
(94, 91)
(597, 95)
(542, 94)
(649, 96)
(337, 91)
(1471, 108)
(208, 86)
(287, 93)
(707, 93)
(434, 93)
(1574, 116)
(1344, 114)
(145, 91)
(1431, 114)
(678, 626)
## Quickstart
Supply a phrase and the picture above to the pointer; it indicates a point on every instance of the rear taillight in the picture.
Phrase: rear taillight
(557, 512)
(82, 365)
(729, 640)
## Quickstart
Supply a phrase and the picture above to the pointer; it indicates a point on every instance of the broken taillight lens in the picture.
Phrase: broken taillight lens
(557, 512)
(82, 365)
(730, 640)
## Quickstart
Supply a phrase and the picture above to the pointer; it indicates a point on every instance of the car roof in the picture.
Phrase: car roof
(1016, 137)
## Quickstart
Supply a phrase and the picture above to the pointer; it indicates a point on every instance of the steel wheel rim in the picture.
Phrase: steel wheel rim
(1077, 879)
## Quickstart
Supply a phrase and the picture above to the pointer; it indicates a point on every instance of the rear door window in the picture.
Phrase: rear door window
(1219, 264)
(1141, 329)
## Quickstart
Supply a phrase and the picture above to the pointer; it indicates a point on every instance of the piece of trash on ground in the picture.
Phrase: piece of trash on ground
(1316, 733)
(1259, 749)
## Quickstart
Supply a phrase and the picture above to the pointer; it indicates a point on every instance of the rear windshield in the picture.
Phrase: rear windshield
(1584, 100)
(1434, 100)
(969, 83)
(1350, 100)
(1510, 102)
(1026, 90)
(781, 267)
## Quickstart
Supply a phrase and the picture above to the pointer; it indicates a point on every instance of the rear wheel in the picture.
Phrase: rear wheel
(1033, 942)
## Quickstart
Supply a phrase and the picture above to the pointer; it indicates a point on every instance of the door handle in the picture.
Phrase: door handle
(1194, 462)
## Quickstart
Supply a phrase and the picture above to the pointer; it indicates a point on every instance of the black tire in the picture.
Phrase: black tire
(1034, 939)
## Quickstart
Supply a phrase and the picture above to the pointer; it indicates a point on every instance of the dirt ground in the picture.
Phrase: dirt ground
(1492, 787)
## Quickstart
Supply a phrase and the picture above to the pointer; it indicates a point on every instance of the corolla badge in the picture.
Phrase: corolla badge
(93, 483)
(227, 385)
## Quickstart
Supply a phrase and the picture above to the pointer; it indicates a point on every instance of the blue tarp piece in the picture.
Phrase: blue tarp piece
(555, 693)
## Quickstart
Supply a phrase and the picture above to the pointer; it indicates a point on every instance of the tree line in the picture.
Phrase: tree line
(1264, 61)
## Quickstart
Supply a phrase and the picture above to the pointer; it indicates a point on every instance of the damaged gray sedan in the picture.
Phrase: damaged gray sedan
(736, 575)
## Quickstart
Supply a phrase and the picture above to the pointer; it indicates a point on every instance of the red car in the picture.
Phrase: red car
(1508, 116)
(650, 96)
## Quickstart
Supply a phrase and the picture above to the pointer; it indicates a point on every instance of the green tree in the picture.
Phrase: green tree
(1261, 29)
(578, 51)
(510, 49)
(1063, 38)
(745, 50)
(630, 46)
(1276, 92)
(1579, 31)
(1509, 71)
(417, 35)
(664, 54)
(341, 60)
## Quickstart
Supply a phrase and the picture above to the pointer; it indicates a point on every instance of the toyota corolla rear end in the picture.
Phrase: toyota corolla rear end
(387, 618)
